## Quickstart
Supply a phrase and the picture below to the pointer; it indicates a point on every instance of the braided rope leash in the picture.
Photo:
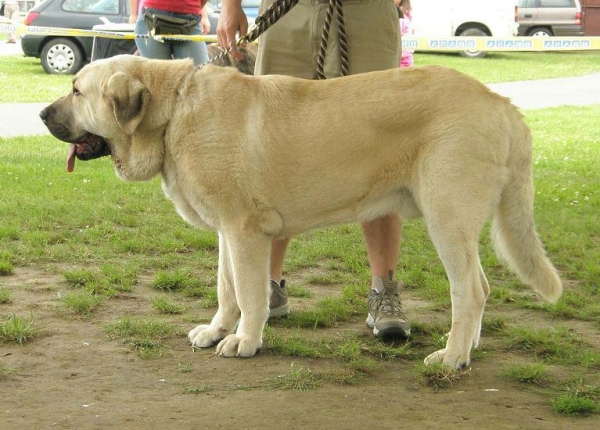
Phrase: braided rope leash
(333, 6)
(261, 24)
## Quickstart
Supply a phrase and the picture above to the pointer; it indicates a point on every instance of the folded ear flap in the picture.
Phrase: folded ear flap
(129, 98)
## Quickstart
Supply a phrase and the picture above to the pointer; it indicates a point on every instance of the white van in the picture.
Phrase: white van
(445, 18)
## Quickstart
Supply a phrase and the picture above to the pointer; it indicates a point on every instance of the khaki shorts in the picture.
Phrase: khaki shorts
(291, 46)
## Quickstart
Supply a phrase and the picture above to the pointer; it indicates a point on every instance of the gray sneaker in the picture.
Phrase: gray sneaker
(278, 301)
(385, 310)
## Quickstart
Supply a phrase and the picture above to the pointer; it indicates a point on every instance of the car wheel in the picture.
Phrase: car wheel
(61, 57)
(473, 32)
(539, 32)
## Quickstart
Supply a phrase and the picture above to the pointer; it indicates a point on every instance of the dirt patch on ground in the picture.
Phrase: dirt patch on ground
(74, 377)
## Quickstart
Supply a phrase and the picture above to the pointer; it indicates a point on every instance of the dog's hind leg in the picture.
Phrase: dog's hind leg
(249, 260)
(468, 301)
(456, 204)
(228, 313)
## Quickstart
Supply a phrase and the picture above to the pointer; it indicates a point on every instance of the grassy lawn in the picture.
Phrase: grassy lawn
(102, 235)
(29, 83)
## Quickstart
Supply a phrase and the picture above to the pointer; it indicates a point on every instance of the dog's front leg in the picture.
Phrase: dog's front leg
(228, 314)
(249, 253)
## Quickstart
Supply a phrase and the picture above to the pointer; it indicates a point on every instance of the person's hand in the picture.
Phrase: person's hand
(231, 20)
(205, 24)
(133, 18)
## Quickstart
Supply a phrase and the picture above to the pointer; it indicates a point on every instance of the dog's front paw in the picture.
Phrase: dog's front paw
(457, 362)
(204, 336)
(233, 346)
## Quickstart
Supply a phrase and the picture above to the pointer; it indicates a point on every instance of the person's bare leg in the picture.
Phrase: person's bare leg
(278, 249)
(382, 238)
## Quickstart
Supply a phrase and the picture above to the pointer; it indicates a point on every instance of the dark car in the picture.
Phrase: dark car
(68, 54)
(544, 18)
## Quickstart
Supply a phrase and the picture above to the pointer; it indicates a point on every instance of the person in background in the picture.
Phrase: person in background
(290, 47)
(11, 11)
(406, 29)
(169, 49)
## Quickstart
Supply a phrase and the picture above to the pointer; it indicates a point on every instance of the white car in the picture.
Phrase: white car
(443, 18)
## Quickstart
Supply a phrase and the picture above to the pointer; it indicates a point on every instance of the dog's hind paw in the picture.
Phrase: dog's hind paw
(204, 336)
(457, 362)
(233, 346)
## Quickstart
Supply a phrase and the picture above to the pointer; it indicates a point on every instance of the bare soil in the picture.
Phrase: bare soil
(72, 376)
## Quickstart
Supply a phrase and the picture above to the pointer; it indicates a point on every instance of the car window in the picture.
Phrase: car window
(557, 3)
(527, 3)
(105, 7)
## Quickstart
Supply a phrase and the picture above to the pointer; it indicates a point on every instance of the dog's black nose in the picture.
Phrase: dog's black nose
(45, 113)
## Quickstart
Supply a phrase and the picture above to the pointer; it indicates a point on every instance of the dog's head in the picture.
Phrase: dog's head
(106, 105)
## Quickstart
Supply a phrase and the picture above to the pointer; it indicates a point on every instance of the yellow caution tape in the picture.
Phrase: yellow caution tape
(22, 29)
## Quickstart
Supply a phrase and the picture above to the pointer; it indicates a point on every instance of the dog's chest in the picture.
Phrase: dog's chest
(190, 206)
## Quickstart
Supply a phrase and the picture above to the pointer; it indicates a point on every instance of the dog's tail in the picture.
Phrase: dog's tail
(513, 229)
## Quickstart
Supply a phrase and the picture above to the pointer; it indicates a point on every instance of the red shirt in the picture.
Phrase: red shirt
(177, 6)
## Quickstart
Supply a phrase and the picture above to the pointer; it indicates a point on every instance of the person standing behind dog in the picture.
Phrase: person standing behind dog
(406, 29)
(169, 49)
(290, 47)
(11, 11)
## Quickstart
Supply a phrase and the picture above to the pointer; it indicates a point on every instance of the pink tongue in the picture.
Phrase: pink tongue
(71, 158)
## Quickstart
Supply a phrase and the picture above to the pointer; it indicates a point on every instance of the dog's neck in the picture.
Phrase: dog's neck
(143, 157)
(166, 83)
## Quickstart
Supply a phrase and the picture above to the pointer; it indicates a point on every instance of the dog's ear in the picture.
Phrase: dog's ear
(129, 98)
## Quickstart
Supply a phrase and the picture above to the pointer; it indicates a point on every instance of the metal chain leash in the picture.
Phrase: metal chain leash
(261, 24)
(334, 6)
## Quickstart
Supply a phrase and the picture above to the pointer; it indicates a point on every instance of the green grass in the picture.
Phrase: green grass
(108, 281)
(5, 296)
(571, 404)
(579, 399)
(438, 376)
(185, 367)
(143, 335)
(166, 306)
(517, 66)
(6, 266)
(29, 83)
(22, 80)
(198, 390)
(535, 374)
(298, 379)
(175, 281)
(15, 329)
(555, 346)
(82, 304)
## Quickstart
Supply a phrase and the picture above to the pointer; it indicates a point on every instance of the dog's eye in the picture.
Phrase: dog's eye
(76, 92)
